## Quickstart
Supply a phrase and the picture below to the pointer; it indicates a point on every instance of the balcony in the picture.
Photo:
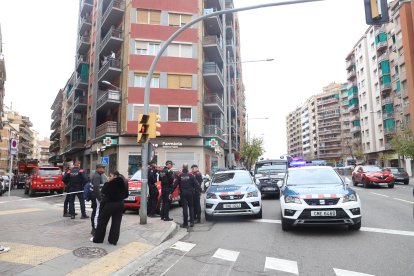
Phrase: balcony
(80, 61)
(354, 118)
(78, 123)
(108, 99)
(231, 47)
(387, 100)
(85, 25)
(355, 129)
(382, 45)
(113, 15)
(229, 4)
(112, 41)
(328, 101)
(386, 87)
(330, 146)
(351, 85)
(351, 75)
(354, 95)
(213, 25)
(389, 131)
(215, 4)
(329, 131)
(55, 146)
(68, 129)
(330, 139)
(229, 31)
(388, 115)
(107, 129)
(380, 30)
(77, 143)
(213, 76)
(81, 83)
(86, 7)
(55, 123)
(353, 107)
(213, 131)
(350, 64)
(383, 57)
(213, 103)
(25, 136)
(79, 104)
(110, 70)
(330, 116)
(329, 154)
(213, 47)
(67, 148)
(84, 43)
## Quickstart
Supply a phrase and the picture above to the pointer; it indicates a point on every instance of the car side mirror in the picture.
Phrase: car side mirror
(280, 183)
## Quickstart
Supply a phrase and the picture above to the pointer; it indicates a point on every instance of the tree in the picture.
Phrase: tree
(251, 150)
(403, 143)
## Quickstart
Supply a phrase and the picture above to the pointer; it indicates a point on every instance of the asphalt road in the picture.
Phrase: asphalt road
(240, 246)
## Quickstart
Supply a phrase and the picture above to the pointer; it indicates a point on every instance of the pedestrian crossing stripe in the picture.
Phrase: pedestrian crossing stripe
(281, 265)
(183, 246)
(341, 272)
(227, 255)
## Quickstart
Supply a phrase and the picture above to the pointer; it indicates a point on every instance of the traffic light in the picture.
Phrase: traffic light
(154, 125)
(143, 128)
(376, 12)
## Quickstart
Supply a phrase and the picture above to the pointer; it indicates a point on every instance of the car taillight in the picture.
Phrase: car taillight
(405, 174)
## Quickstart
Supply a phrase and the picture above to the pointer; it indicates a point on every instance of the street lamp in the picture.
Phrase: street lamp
(110, 84)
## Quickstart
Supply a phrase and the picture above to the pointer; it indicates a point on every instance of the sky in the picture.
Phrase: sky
(308, 42)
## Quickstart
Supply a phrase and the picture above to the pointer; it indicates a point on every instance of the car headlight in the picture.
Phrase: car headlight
(292, 199)
(257, 182)
(253, 194)
(351, 197)
(211, 195)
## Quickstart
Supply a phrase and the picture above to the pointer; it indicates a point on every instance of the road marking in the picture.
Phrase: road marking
(115, 260)
(30, 254)
(183, 246)
(19, 211)
(412, 202)
(281, 265)
(388, 231)
(341, 272)
(379, 194)
(357, 189)
(268, 220)
(227, 255)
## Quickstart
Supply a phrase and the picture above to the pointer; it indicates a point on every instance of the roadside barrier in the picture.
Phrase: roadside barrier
(36, 198)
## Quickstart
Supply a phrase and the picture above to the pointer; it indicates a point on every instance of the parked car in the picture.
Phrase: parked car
(318, 195)
(45, 179)
(400, 175)
(5, 179)
(372, 175)
(233, 192)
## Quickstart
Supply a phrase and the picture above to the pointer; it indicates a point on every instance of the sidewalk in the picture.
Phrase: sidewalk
(42, 242)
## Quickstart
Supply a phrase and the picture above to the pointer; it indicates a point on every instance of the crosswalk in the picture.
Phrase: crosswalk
(77, 205)
(226, 259)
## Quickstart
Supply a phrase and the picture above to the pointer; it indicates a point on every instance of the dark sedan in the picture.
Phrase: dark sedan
(400, 174)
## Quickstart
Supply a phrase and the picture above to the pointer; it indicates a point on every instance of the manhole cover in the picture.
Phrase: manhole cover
(89, 252)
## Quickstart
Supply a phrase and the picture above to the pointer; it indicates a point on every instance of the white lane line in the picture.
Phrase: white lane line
(281, 265)
(357, 189)
(268, 220)
(412, 202)
(379, 194)
(227, 255)
(341, 272)
(388, 231)
(183, 246)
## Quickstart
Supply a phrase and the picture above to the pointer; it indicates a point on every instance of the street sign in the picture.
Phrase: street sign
(105, 160)
(13, 146)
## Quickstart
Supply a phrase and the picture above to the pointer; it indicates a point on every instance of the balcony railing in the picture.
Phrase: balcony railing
(389, 130)
(117, 4)
(109, 127)
(350, 63)
(113, 32)
(387, 100)
(382, 44)
(112, 96)
(213, 40)
(355, 128)
(212, 68)
(213, 99)
(213, 130)
(351, 74)
(110, 63)
(383, 57)
(388, 115)
(385, 87)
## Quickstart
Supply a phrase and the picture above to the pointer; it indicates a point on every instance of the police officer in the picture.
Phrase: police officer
(188, 184)
(153, 190)
(76, 179)
(167, 181)
(197, 206)
(66, 203)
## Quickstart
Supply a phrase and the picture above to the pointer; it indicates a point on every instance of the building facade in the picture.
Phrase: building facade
(294, 133)
(2, 79)
(196, 89)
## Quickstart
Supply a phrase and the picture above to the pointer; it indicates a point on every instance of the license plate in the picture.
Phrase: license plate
(323, 213)
(234, 205)
(131, 198)
(49, 180)
(269, 189)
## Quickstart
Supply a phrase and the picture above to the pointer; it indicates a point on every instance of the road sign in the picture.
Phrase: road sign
(13, 146)
(105, 160)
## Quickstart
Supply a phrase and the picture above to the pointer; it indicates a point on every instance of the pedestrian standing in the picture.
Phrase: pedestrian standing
(167, 181)
(66, 202)
(97, 182)
(76, 179)
(187, 185)
(197, 193)
(115, 191)
(153, 190)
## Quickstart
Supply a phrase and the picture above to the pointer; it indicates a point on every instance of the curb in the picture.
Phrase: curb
(169, 234)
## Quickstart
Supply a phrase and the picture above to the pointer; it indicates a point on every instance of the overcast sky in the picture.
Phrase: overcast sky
(309, 43)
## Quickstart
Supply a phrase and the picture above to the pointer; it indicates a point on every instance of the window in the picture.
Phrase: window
(139, 109)
(152, 17)
(180, 81)
(178, 20)
(146, 47)
(179, 114)
(140, 79)
(363, 81)
(367, 132)
(365, 107)
(180, 50)
(378, 100)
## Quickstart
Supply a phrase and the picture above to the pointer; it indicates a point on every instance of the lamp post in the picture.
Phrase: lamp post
(110, 84)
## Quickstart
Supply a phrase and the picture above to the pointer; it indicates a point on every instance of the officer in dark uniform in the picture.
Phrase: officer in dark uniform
(188, 184)
(167, 181)
(76, 179)
(197, 193)
(153, 190)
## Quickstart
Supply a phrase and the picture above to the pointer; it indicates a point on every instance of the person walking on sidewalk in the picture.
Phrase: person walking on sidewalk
(197, 206)
(76, 179)
(115, 191)
(98, 180)
(167, 181)
(188, 185)
(153, 190)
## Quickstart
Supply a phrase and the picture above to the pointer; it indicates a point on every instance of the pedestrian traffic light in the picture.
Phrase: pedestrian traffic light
(143, 128)
(376, 12)
(154, 118)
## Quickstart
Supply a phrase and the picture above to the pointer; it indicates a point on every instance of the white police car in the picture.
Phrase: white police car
(233, 192)
(318, 196)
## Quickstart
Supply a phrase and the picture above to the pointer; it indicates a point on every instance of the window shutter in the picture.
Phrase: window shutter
(186, 82)
(173, 81)
(174, 19)
(173, 50)
(155, 17)
(185, 18)
(186, 51)
(143, 16)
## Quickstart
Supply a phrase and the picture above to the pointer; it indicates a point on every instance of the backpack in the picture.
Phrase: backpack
(87, 191)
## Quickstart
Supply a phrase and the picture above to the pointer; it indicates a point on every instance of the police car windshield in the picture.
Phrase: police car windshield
(137, 176)
(232, 178)
(271, 167)
(313, 177)
(51, 171)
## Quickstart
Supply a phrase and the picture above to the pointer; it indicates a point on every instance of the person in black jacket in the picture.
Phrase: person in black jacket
(167, 180)
(188, 185)
(76, 179)
(114, 191)
(153, 190)
(197, 193)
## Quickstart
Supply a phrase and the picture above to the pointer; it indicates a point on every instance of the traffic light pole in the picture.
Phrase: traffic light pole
(144, 187)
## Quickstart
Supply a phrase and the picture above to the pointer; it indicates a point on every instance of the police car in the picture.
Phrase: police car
(318, 196)
(232, 192)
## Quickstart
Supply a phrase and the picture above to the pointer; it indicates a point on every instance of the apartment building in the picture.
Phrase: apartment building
(41, 150)
(55, 156)
(348, 151)
(2, 79)
(294, 133)
(197, 87)
(308, 122)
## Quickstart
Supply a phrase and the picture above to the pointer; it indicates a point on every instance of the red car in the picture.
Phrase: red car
(372, 175)
(133, 201)
(44, 179)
